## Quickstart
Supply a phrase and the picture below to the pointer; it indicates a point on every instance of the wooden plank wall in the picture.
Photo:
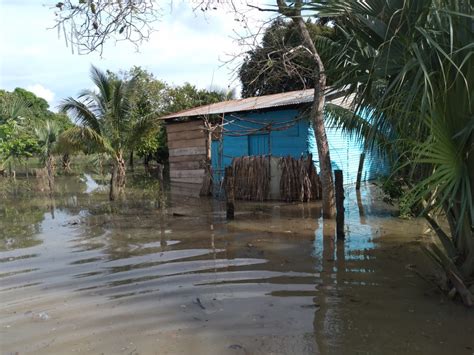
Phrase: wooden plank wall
(188, 153)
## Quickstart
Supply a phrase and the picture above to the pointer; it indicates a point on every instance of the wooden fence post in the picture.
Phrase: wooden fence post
(338, 182)
(229, 192)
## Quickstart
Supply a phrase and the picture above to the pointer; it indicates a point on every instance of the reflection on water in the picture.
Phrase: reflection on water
(91, 184)
(80, 274)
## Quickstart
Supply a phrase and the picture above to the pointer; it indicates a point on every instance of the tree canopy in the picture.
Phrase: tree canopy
(154, 97)
(21, 111)
(277, 65)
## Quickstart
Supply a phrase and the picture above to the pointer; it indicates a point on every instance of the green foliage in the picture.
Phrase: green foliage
(102, 116)
(61, 120)
(152, 98)
(276, 65)
(37, 105)
(38, 109)
(122, 115)
(16, 141)
(149, 145)
(149, 93)
(146, 101)
(188, 96)
(20, 111)
(12, 107)
(47, 134)
(392, 187)
(412, 62)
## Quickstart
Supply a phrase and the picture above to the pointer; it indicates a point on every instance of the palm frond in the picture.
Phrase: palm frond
(357, 126)
(94, 101)
(86, 139)
(13, 108)
(412, 63)
(81, 113)
(47, 133)
(102, 82)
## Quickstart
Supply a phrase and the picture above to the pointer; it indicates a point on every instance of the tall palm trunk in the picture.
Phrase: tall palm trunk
(117, 180)
(50, 171)
(121, 169)
(113, 189)
(66, 163)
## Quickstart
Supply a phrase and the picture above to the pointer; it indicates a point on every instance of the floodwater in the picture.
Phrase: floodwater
(81, 275)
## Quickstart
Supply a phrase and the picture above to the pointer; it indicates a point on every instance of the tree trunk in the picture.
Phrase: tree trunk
(146, 162)
(121, 169)
(50, 170)
(130, 161)
(117, 179)
(66, 163)
(317, 108)
(112, 191)
(328, 197)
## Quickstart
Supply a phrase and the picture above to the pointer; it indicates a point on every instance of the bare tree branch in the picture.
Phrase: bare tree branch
(88, 24)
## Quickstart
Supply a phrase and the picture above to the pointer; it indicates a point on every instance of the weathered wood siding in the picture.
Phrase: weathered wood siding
(188, 154)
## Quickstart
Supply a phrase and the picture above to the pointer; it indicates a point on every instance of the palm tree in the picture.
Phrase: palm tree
(12, 108)
(105, 124)
(412, 63)
(47, 134)
(16, 141)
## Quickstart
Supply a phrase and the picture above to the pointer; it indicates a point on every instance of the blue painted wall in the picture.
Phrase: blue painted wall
(242, 135)
(345, 154)
(291, 135)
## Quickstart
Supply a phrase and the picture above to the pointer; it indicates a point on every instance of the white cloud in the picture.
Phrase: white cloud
(188, 46)
(41, 91)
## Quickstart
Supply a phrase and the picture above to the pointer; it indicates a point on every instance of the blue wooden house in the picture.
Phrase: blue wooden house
(207, 138)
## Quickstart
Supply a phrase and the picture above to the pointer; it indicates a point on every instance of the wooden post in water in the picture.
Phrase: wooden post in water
(229, 192)
(338, 182)
(359, 171)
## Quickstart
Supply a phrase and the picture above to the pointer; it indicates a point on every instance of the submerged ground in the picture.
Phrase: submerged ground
(79, 274)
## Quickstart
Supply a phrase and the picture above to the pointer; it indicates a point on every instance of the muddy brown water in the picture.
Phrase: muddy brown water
(81, 275)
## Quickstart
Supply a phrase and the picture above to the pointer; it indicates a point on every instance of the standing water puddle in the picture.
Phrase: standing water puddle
(79, 274)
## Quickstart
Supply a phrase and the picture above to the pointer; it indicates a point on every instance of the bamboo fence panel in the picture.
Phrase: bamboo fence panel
(299, 178)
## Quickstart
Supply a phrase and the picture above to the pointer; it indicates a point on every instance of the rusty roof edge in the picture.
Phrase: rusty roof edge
(289, 98)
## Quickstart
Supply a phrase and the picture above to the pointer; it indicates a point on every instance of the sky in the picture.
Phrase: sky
(188, 46)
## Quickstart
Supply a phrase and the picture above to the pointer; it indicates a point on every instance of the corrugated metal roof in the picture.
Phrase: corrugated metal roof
(252, 103)
(342, 100)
